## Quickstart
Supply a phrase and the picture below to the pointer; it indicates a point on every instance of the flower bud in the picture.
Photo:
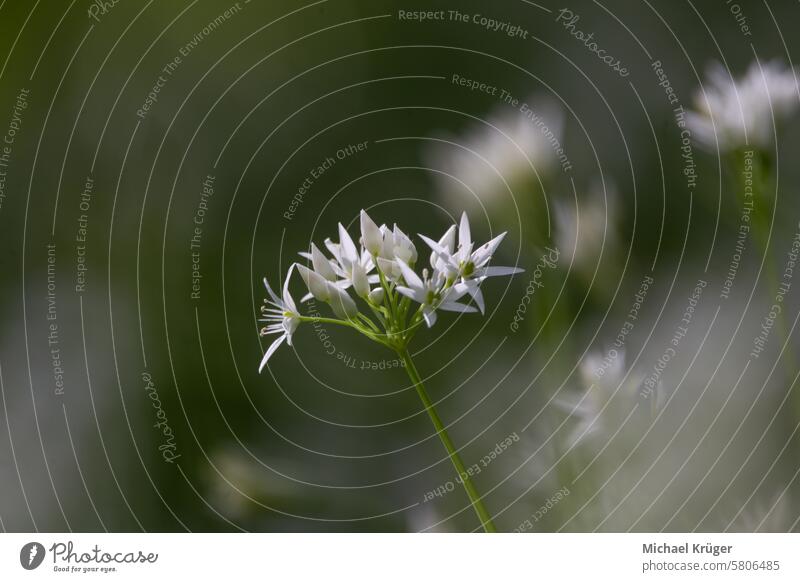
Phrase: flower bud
(376, 296)
(316, 284)
(371, 234)
(390, 268)
(341, 303)
(360, 282)
(321, 264)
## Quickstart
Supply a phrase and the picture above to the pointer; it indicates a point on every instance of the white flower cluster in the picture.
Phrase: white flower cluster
(738, 113)
(380, 272)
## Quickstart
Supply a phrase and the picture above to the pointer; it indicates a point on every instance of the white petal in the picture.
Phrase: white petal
(438, 250)
(460, 289)
(477, 295)
(429, 315)
(404, 247)
(316, 284)
(413, 250)
(386, 266)
(464, 255)
(366, 261)
(340, 272)
(500, 271)
(485, 252)
(448, 240)
(321, 263)
(459, 307)
(464, 235)
(417, 295)
(406, 252)
(435, 246)
(271, 350)
(360, 283)
(347, 246)
(399, 235)
(272, 294)
(387, 248)
(290, 324)
(435, 259)
(287, 297)
(410, 277)
(335, 249)
(376, 296)
(443, 249)
(371, 234)
(341, 303)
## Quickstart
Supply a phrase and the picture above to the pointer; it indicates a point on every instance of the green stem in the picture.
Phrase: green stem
(311, 319)
(354, 323)
(474, 497)
(761, 227)
(369, 322)
(389, 300)
(379, 311)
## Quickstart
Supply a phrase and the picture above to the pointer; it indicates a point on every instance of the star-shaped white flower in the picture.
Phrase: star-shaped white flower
(430, 292)
(472, 267)
(456, 272)
(447, 244)
(281, 318)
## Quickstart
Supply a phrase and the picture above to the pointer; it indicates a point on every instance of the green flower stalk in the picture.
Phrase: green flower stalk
(394, 301)
(738, 119)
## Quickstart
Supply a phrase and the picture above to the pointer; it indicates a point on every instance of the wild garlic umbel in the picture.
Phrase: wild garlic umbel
(394, 301)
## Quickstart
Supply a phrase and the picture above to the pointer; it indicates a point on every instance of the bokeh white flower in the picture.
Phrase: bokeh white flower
(470, 267)
(506, 149)
(738, 113)
(587, 233)
(431, 293)
(609, 396)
